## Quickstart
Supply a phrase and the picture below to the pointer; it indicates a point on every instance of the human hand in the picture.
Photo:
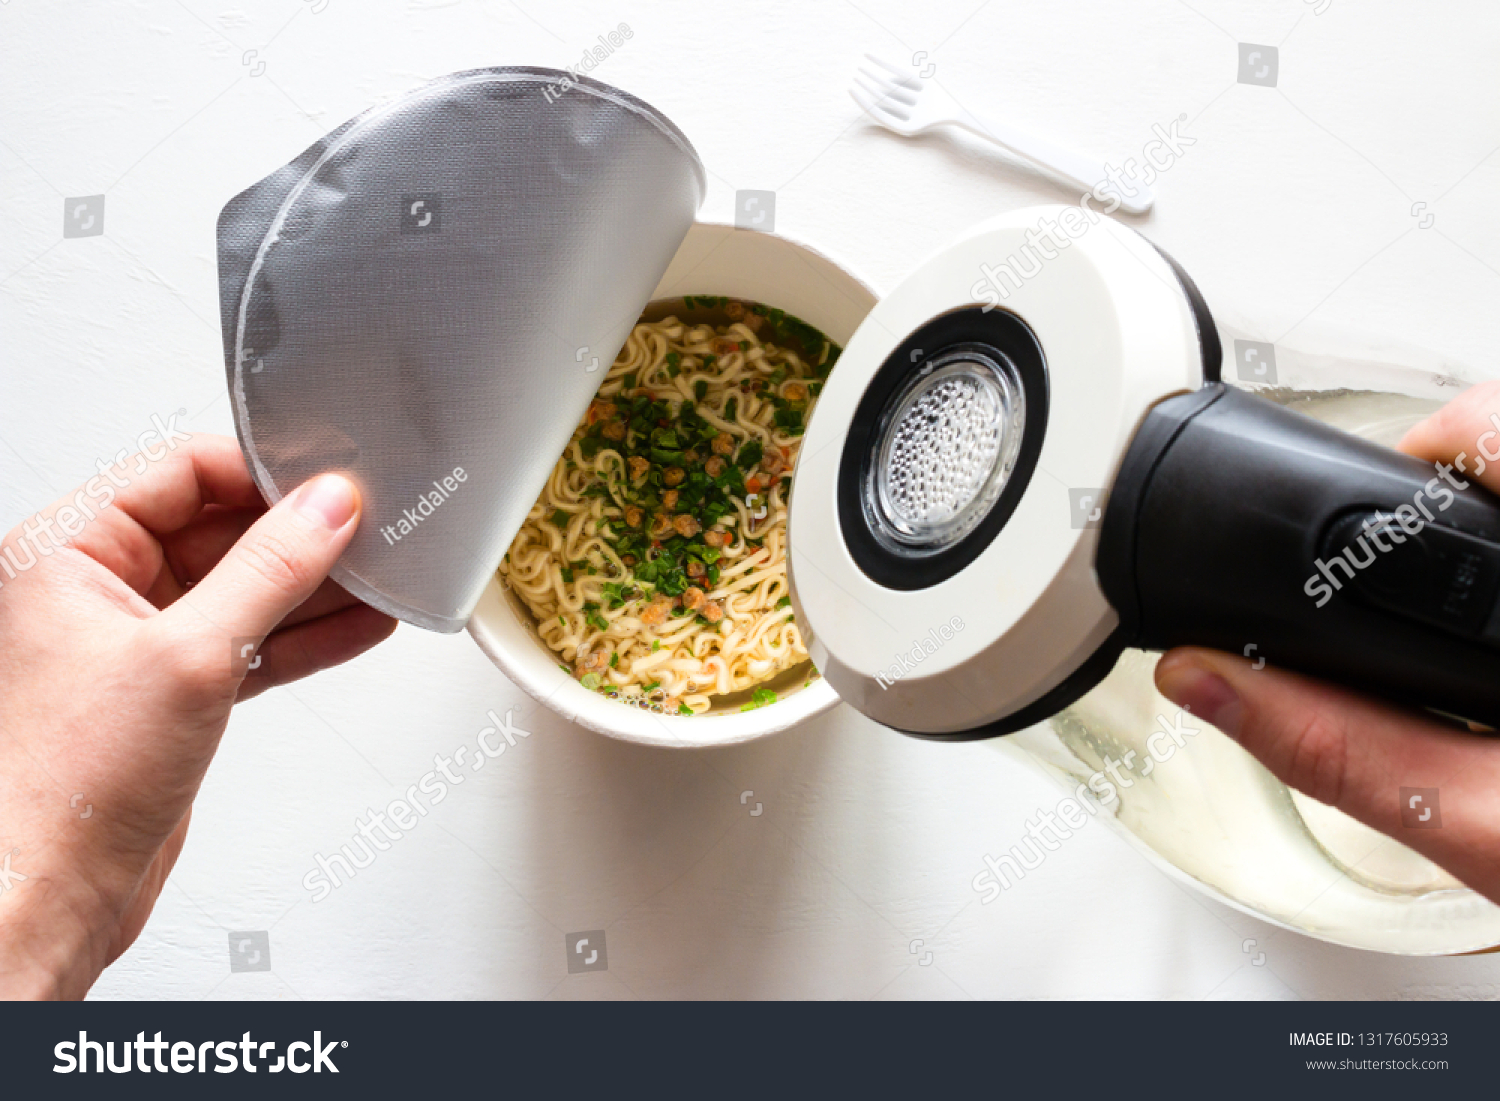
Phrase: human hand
(116, 681)
(1352, 752)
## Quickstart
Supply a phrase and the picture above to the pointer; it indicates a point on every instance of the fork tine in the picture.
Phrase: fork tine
(866, 104)
(882, 102)
(883, 96)
(904, 77)
(889, 88)
(886, 65)
(869, 107)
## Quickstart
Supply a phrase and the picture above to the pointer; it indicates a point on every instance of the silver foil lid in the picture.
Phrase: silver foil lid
(427, 299)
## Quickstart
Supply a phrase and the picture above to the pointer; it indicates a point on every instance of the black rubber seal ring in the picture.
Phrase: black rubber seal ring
(1077, 684)
(1210, 351)
(998, 332)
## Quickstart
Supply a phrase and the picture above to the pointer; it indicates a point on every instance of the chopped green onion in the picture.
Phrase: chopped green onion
(761, 697)
(590, 681)
(790, 419)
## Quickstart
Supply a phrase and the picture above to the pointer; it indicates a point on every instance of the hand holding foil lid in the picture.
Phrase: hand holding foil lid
(427, 299)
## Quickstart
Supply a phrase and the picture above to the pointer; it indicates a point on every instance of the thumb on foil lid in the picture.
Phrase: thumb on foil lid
(418, 299)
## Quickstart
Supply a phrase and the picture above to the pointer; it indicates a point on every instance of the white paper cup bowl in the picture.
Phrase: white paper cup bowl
(718, 260)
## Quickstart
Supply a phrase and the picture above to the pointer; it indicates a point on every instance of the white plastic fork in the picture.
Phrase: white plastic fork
(900, 100)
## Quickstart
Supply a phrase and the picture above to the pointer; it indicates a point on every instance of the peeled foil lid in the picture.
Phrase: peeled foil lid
(426, 301)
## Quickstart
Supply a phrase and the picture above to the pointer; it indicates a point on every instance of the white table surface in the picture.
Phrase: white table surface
(1294, 209)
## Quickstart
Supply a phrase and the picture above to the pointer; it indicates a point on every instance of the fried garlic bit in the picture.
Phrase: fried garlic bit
(595, 661)
(655, 613)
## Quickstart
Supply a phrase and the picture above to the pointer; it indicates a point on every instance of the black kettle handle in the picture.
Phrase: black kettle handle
(1237, 524)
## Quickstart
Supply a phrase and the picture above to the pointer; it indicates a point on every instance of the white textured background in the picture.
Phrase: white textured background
(1294, 211)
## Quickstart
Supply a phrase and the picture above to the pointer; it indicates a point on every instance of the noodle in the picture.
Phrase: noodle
(655, 559)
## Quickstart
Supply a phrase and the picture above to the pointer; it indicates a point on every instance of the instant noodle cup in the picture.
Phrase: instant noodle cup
(427, 299)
